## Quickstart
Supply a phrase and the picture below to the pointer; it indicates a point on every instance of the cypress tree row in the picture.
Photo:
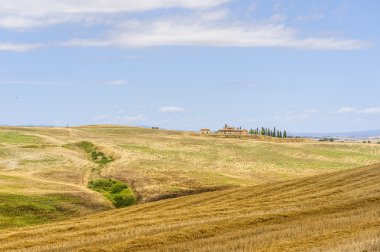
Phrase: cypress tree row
(268, 132)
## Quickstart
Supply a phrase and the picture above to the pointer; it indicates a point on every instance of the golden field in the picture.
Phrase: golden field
(334, 212)
(244, 194)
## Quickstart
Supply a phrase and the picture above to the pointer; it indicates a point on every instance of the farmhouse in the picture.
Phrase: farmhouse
(228, 130)
(205, 131)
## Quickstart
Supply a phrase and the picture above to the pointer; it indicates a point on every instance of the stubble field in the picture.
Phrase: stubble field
(255, 193)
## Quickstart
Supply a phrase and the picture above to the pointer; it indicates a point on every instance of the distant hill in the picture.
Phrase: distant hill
(353, 134)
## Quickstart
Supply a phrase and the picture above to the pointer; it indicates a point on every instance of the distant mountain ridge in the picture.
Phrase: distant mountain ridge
(352, 134)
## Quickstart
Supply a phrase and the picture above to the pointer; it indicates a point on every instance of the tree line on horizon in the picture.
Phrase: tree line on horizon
(269, 132)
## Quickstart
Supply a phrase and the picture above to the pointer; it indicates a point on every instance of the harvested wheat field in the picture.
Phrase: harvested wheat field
(333, 212)
(59, 188)
(45, 171)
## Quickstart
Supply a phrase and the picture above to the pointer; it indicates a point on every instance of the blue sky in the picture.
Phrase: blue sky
(304, 66)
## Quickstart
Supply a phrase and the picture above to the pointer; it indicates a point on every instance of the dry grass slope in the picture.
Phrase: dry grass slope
(339, 211)
(44, 171)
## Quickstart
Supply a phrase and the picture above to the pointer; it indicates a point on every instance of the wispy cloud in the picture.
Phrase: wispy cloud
(350, 110)
(171, 109)
(190, 31)
(117, 83)
(17, 47)
(206, 23)
(23, 14)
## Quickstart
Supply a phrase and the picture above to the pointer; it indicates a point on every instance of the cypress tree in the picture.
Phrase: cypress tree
(285, 136)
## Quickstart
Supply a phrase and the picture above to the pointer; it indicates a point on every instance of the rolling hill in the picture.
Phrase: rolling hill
(45, 172)
(338, 211)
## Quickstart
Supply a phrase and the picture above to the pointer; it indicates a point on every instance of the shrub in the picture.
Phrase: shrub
(95, 155)
(124, 198)
(86, 146)
(118, 192)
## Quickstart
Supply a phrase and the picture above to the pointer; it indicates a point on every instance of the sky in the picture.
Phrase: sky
(303, 66)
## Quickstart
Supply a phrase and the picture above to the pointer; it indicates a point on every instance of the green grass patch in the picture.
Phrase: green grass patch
(94, 154)
(17, 138)
(118, 192)
(23, 210)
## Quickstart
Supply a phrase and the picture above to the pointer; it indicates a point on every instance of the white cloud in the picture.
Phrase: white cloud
(208, 24)
(16, 47)
(23, 14)
(345, 110)
(350, 110)
(117, 83)
(371, 110)
(171, 109)
(182, 31)
(22, 23)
